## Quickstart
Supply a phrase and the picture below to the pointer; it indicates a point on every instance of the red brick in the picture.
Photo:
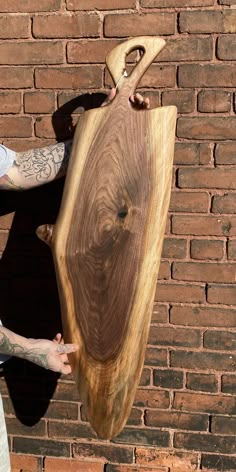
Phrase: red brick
(68, 77)
(208, 21)
(206, 361)
(208, 403)
(221, 294)
(219, 340)
(25, 463)
(204, 272)
(202, 382)
(225, 153)
(71, 465)
(145, 24)
(187, 49)
(156, 357)
(206, 249)
(207, 75)
(90, 51)
(179, 293)
(169, 336)
(160, 313)
(66, 26)
(16, 77)
(217, 177)
(203, 442)
(211, 127)
(20, 126)
(39, 102)
(132, 468)
(198, 202)
(32, 52)
(29, 5)
(214, 101)
(174, 459)
(10, 102)
(231, 249)
(14, 26)
(45, 127)
(192, 153)
(224, 203)
(164, 271)
(182, 99)
(203, 316)
(145, 379)
(176, 420)
(99, 4)
(204, 225)
(152, 398)
(20, 145)
(174, 248)
(156, 76)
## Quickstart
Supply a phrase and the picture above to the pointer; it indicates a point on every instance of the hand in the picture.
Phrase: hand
(136, 100)
(51, 355)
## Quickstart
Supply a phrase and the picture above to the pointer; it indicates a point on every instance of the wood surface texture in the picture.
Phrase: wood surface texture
(108, 237)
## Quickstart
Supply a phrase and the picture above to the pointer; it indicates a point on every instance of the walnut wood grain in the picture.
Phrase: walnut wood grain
(108, 237)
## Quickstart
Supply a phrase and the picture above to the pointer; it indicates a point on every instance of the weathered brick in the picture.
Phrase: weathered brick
(207, 75)
(226, 45)
(39, 102)
(156, 76)
(192, 153)
(182, 99)
(223, 425)
(132, 468)
(23, 463)
(104, 452)
(218, 462)
(10, 102)
(66, 391)
(214, 101)
(205, 442)
(135, 417)
(227, 2)
(145, 24)
(174, 459)
(204, 225)
(187, 49)
(14, 26)
(198, 202)
(211, 127)
(66, 430)
(71, 465)
(168, 378)
(16, 77)
(90, 51)
(176, 3)
(203, 315)
(228, 384)
(225, 153)
(207, 360)
(20, 126)
(202, 382)
(231, 249)
(221, 294)
(141, 436)
(66, 26)
(179, 293)
(203, 402)
(31, 52)
(176, 420)
(62, 411)
(208, 21)
(99, 4)
(152, 398)
(43, 447)
(68, 77)
(160, 313)
(206, 249)
(174, 248)
(220, 340)
(204, 272)
(168, 336)
(15, 427)
(29, 6)
(217, 177)
(224, 203)
(164, 271)
(156, 357)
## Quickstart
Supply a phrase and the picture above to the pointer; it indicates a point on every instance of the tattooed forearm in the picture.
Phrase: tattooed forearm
(37, 167)
(11, 348)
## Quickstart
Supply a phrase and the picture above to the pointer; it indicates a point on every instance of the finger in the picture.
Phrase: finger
(110, 97)
(66, 348)
(66, 369)
(146, 102)
(57, 338)
(131, 98)
(138, 98)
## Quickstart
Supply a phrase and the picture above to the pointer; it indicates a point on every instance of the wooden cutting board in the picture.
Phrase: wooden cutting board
(108, 237)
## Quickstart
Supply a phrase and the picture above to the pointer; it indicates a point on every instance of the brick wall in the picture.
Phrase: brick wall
(184, 417)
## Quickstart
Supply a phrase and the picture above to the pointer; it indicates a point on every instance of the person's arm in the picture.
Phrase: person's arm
(51, 355)
(36, 167)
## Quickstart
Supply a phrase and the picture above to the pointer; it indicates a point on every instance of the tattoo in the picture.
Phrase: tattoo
(14, 349)
(44, 164)
(7, 184)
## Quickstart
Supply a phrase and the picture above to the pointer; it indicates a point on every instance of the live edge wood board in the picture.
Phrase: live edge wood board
(108, 237)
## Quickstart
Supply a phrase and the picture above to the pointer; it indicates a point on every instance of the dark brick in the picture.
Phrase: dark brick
(221, 463)
(143, 436)
(223, 425)
(205, 442)
(229, 384)
(176, 420)
(106, 452)
(168, 378)
(41, 447)
(220, 340)
(207, 360)
(174, 337)
(156, 357)
(206, 403)
(152, 398)
(68, 429)
(174, 248)
(202, 382)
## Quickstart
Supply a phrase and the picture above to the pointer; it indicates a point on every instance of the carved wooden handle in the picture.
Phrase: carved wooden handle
(116, 60)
